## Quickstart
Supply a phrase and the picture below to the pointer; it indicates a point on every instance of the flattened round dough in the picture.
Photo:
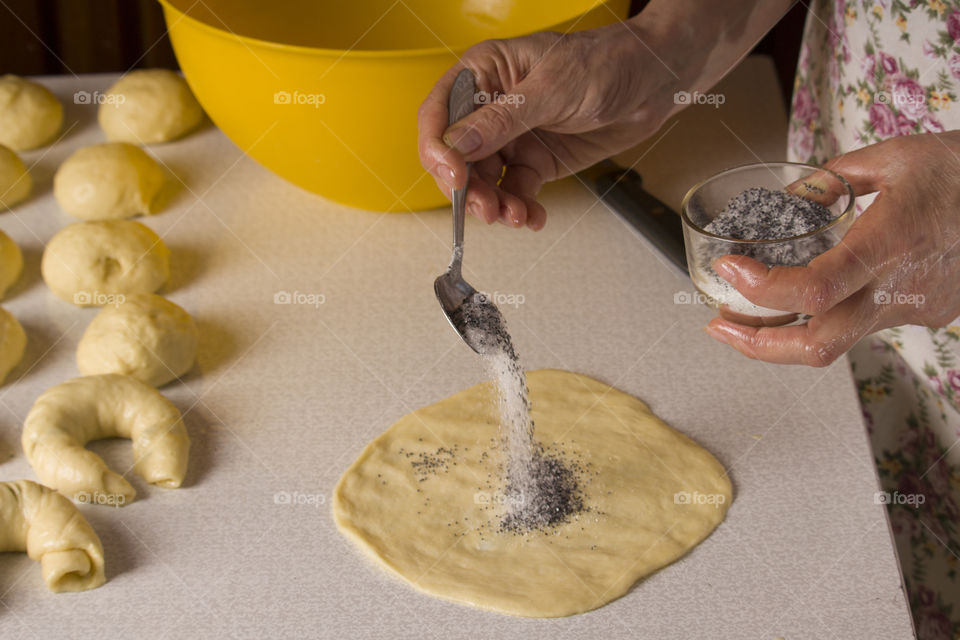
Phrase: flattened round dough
(634, 527)
(11, 262)
(30, 115)
(97, 263)
(108, 182)
(146, 337)
(15, 181)
(13, 342)
(147, 106)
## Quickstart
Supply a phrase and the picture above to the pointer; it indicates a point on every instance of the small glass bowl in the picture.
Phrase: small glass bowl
(706, 200)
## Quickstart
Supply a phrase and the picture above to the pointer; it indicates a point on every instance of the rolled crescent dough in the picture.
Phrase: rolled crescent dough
(67, 416)
(50, 529)
(653, 494)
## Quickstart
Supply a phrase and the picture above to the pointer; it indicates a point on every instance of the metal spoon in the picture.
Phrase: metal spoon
(452, 290)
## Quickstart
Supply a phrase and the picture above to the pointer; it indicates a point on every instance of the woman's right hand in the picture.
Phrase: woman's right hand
(557, 103)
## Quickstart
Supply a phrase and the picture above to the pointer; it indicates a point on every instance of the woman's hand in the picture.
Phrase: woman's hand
(559, 103)
(898, 264)
(556, 104)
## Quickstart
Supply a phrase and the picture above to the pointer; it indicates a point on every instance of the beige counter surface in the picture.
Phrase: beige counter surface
(286, 395)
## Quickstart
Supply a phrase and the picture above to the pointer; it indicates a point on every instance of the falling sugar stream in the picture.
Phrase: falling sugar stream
(540, 489)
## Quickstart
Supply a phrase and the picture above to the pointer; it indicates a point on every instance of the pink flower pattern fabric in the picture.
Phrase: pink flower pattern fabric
(868, 71)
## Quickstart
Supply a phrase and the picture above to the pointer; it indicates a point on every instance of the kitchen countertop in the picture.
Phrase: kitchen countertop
(285, 396)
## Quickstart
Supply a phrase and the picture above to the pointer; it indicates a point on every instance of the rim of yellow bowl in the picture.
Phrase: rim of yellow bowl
(366, 53)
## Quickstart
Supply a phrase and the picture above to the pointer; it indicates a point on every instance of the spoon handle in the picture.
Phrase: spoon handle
(460, 104)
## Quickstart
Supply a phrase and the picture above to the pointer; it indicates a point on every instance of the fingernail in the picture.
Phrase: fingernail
(510, 221)
(716, 334)
(463, 139)
(446, 174)
(474, 209)
(725, 270)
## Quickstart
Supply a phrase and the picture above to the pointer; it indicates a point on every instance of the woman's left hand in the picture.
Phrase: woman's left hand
(898, 264)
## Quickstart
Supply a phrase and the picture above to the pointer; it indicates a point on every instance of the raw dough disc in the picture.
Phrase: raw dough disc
(13, 342)
(147, 106)
(145, 337)
(652, 494)
(11, 262)
(15, 181)
(30, 115)
(97, 263)
(108, 182)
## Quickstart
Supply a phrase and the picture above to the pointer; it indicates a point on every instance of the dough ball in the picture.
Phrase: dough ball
(98, 263)
(30, 116)
(13, 342)
(15, 181)
(150, 105)
(11, 262)
(107, 182)
(146, 337)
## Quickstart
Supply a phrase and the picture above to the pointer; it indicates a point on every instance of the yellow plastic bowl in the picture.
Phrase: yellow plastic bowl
(325, 94)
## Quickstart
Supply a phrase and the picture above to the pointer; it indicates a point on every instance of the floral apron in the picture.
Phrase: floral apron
(869, 71)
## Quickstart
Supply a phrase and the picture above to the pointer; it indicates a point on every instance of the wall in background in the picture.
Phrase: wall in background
(39, 37)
